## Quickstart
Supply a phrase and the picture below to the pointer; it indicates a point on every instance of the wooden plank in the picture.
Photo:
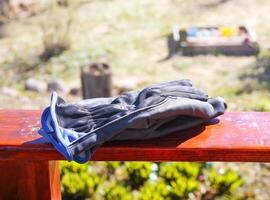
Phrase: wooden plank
(29, 180)
(238, 136)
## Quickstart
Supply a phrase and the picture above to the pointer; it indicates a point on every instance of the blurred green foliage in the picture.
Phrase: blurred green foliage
(146, 180)
(117, 191)
(224, 182)
(79, 181)
(133, 169)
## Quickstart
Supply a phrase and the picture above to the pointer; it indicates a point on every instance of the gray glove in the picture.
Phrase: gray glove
(77, 129)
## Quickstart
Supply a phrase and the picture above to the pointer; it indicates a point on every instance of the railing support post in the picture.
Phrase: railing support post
(29, 180)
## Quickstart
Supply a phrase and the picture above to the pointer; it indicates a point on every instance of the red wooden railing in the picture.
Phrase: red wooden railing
(29, 169)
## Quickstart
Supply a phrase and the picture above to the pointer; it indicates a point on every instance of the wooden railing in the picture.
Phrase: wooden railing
(29, 168)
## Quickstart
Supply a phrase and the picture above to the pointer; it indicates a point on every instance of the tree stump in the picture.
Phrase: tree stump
(96, 80)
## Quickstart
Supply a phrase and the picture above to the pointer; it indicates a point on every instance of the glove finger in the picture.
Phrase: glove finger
(196, 108)
(187, 96)
(174, 90)
(132, 97)
(174, 108)
(160, 129)
(219, 105)
(175, 116)
(184, 106)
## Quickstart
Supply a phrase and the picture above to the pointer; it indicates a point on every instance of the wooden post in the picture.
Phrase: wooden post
(96, 80)
(29, 180)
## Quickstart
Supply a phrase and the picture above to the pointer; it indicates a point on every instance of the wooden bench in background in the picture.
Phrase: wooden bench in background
(29, 168)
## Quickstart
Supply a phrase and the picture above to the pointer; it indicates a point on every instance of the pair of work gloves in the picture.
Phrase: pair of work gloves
(77, 129)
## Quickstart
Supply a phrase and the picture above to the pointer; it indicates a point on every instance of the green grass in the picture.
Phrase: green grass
(131, 37)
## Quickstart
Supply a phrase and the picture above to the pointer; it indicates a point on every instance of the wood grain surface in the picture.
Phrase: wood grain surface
(29, 180)
(235, 136)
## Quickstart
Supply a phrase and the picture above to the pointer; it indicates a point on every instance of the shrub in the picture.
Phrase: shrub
(139, 180)
(117, 191)
(79, 181)
(138, 173)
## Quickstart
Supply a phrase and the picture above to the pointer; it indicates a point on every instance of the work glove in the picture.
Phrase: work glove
(77, 129)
